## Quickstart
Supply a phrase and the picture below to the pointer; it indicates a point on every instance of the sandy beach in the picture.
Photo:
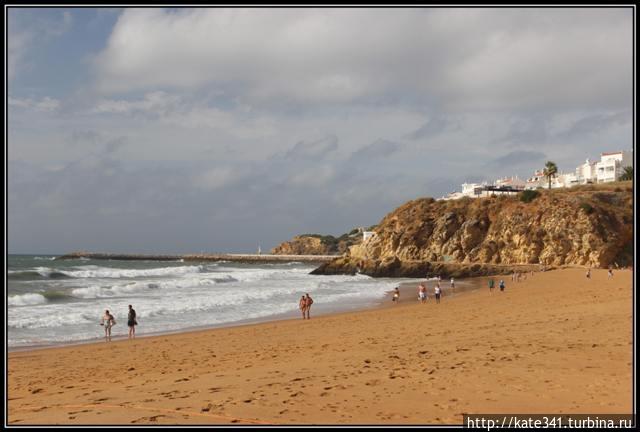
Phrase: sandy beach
(556, 342)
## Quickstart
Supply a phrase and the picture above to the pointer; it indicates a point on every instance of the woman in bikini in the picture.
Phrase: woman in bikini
(107, 321)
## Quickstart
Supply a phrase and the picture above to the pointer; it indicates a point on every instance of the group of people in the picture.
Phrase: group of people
(492, 284)
(305, 306)
(422, 292)
(108, 321)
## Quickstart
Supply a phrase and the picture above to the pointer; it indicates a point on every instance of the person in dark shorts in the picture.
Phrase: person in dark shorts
(491, 284)
(132, 323)
(501, 285)
(437, 289)
(396, 295)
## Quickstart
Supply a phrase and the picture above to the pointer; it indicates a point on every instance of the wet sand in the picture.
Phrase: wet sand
(554, 343)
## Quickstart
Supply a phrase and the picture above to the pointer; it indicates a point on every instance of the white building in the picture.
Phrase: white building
(586, 173)
(538, 180)
(474, 190)
(611, 165)
(366, 235)
(513, 182)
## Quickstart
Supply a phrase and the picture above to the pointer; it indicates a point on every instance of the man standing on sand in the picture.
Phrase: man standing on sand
(308, 303)
(132, 323)
(453, 285)
(589, 273)
(610, 272)
(422, 293)
(437, 289)
(107, 321)
(303, 306)
(491, 283)
(396, 295)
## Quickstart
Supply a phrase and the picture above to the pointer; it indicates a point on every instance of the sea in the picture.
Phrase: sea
(56, 302)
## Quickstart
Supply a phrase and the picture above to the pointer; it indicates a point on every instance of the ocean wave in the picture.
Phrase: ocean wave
(88, 272)
(38, 273)
(26, 299)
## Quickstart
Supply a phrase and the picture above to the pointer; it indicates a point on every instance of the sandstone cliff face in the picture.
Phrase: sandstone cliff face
(316, 244)
(302, 245)
(587, 225)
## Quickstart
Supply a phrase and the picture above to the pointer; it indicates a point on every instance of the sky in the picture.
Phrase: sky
(179, 130)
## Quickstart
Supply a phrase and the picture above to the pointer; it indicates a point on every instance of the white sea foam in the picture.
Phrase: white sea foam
(116, 273)
(26, 299)
(175, 298)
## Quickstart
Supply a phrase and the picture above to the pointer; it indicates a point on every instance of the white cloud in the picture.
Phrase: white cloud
(465, 58)
(46, 104)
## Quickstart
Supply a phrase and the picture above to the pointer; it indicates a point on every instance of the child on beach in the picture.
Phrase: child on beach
(501, 285)
(453, 285)
(437, 289)
(107, 321)
(589, 273)
(396, 295)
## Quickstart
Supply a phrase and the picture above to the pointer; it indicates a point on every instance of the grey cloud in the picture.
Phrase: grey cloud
(376, 150)
(596, 123)
(434, 126)
(517, 158)
(314, 149)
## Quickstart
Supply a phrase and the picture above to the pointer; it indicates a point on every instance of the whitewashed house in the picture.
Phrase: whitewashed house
(538, 180)
(586, 173)
(513, 182)
(611, 165)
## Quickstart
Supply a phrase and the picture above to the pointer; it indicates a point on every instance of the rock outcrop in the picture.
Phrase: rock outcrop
(586, 225)
(316, 244)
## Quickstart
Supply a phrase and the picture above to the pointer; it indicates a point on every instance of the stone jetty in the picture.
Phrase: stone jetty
(244, 258)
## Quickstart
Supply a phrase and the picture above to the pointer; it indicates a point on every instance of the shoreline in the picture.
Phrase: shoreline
(406, 289)
(555, 343)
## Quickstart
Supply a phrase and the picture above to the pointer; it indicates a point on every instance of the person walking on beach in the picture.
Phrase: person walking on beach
(437, 289)
(501, 285)
(396, 295)
(308, 303)
(610, 273)
(107, 321)
(131, 322)
(491, 284)
(422, 293)
(303, 306)
(453, 285)
(589, 273)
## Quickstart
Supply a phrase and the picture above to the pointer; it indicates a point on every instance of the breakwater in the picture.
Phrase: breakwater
(244, 258)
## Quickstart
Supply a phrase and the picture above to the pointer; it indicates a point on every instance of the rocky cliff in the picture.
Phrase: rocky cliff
(317, 244)
(585, 225)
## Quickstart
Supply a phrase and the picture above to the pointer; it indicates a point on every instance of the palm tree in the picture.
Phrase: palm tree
(627, 173)
(550, 171)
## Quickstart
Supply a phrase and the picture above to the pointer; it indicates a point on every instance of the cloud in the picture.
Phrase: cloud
(516, 158)
(46, 104)
(318, 149)
(26, 29)
(377, 150)
(434, 126)
(480, 59)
